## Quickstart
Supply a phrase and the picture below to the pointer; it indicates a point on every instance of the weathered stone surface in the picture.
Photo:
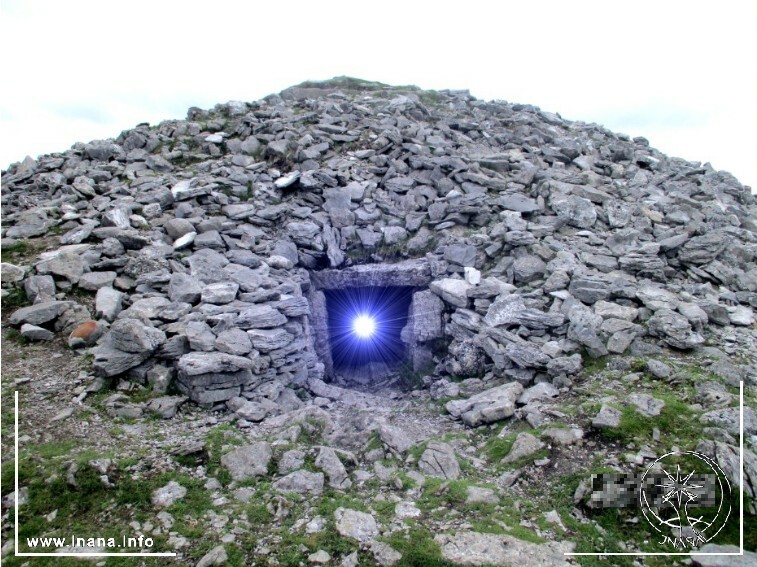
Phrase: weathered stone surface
(10, 273)
(355, 525)
(589, 288)
(394, 438)
(248, 461)
(528, 268)
(674, 329)
(646, 405)
(167, 495)
(40, 289)
(525, 446)
(452, 291)
(69, 266)
(728, 419)
(108, 303)
(510, 310)
(471, 548)
(214, 557)
(328, 461)
(540, 391)
(34, 333)
(219, 293)
(260, 317)
(266, 340)
(300, 481)
(131, 335)
(488, 406)
(165, 406)
(200, 336)
(607, 418)
(563, 436)
(233, 341)
(110, 361)
(95, 280)
(196, 363)
(439, 460)
(460, 254)
(714, 557)
(576, 211)
(39, 313)
(658, 369)
(414, 273)
(207, 265)
(703, 249)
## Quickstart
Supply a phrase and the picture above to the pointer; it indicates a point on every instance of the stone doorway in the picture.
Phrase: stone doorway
(407, 317)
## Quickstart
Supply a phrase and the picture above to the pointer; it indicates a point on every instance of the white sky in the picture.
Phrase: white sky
(680, 73)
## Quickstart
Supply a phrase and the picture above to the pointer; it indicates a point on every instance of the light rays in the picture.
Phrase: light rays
(365, 324)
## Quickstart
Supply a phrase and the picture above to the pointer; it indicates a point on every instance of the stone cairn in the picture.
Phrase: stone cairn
(531, 242)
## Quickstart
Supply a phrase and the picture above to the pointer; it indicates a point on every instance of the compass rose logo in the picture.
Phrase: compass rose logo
(685, 496)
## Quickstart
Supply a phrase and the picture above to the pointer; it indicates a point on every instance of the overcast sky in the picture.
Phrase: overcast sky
(680, 73)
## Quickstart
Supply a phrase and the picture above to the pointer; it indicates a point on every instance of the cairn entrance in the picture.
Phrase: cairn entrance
(369, 321)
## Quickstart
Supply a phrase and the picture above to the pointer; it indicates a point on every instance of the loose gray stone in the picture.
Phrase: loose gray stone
(452, 291)
(233, 341)
(167, 495)
(197, 363)
(540, 391)
(39, 313)
(165, 406)
(96, 280)
(10, 273)
(355, 525)
(40, 289)
(328, 461)
(301, 481)
(563, 436)
(525, 445)
(439, 460)
(219, 293)
(658, 369)
(34, 333)
(266, 340)
(674, 329)
(488, 406)
(748, 559)
(260, 317)
(646, 405)
(108, 303)
(248, 461)
(130, 335)
(607, 418)
(290, 461)
(214, 557)
(471, 548)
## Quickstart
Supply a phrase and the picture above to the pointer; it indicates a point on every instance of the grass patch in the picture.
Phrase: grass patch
(19, 250)
(676, 423)
(15, 298)
(219, 437)
(418, 548)
(497, 448)
(16, 336)
(594, 366)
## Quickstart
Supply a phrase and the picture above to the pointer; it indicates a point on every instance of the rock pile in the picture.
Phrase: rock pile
(537, 242)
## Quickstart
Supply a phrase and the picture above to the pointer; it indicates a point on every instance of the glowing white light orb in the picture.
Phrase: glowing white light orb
(364, 326)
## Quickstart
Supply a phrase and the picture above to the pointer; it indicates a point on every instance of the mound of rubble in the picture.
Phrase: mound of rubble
(529, 243)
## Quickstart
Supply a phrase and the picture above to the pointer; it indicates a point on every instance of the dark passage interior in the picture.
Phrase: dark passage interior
(365, 326)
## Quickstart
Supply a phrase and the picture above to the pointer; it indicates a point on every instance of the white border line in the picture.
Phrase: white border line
(741, 488)
(17, 506)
